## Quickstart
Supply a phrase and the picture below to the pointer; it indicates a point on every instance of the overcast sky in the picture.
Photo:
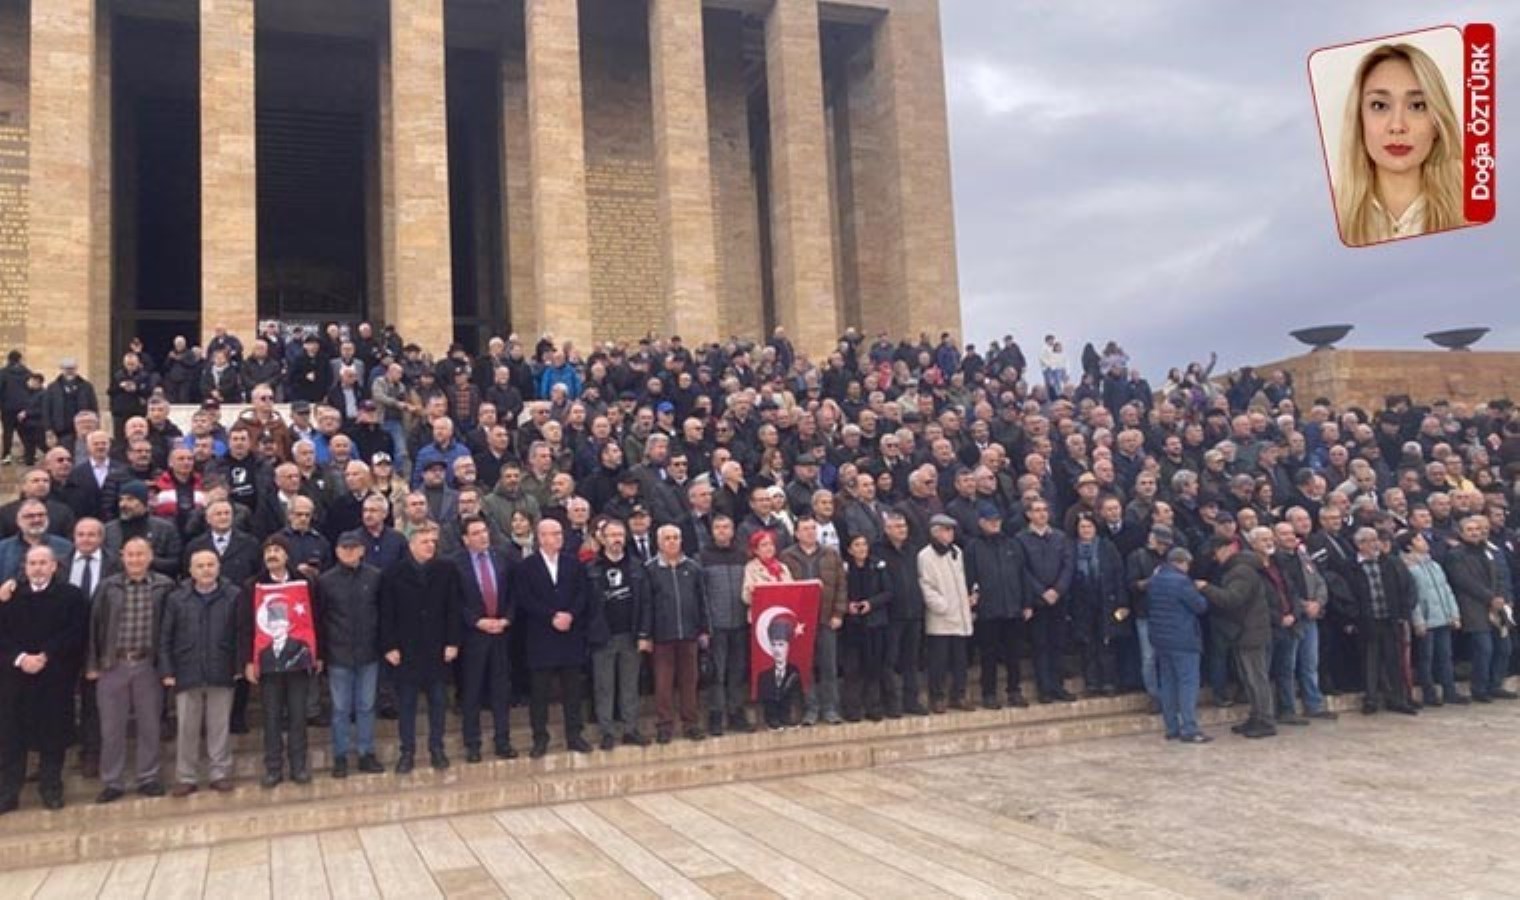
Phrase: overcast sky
(1150, 171)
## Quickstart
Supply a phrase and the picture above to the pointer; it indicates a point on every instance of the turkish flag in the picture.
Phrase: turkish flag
(783, 617)
(284, 630)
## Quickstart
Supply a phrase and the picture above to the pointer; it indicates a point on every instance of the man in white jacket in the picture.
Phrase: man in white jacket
(947, 614)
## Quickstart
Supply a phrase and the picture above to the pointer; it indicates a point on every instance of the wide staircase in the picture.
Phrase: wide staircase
(83, 830)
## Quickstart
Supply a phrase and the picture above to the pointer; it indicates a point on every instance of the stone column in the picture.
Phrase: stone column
(801, 236)
(64, 316)
(229, 183)
(419, 161)
(683, 172)
(910, 59)
(557, 174)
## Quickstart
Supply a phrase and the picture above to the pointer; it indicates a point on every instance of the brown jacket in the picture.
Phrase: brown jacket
(833, 600)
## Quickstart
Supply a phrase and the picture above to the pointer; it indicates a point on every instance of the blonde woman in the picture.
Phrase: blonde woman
(1401, 150)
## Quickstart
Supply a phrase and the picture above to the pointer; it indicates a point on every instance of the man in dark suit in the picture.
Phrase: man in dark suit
(550, 594)
(95, 480)
(1384, 592)
(420, 632)
(237, 550)
(485, 660)
(85, 568)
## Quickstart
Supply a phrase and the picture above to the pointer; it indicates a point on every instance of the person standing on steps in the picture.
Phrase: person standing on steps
(349, 595)
(198, 659)
(420, 632)
(486, 665)
(552, 599)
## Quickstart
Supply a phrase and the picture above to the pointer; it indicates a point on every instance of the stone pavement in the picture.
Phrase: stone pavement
(1375, 807)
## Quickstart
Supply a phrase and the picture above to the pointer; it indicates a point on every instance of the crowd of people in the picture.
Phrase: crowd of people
(491, 528)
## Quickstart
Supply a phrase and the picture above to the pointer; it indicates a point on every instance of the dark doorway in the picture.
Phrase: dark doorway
(316, 102)
(475, 191)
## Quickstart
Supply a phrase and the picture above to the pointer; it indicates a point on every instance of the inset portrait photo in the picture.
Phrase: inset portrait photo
(1391, 117)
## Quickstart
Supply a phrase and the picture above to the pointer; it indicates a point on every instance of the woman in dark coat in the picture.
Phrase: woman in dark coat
(421, 628)
(863, 641)
(43, 631)
(1099, 607)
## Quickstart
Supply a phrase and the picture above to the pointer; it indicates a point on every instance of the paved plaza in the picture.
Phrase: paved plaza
(1367, 807)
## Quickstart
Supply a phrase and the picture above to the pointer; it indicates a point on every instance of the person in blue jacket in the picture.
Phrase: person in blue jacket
(1175, 606)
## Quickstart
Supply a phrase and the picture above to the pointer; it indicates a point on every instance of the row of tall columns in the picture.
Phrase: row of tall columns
(67, 154)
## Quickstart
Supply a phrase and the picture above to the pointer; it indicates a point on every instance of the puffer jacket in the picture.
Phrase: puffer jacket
(674, 607)
(723, 581)
(198, 636)
(947, 599)
(1435, 605)
(996, 569)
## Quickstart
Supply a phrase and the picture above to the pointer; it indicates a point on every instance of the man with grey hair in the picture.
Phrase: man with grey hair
(1384, 592)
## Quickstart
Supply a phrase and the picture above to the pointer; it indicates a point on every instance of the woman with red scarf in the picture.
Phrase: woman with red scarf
(764, 567)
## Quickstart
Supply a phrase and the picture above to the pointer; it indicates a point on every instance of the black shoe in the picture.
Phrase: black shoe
(438, 759)
(1482, 698)
(894, 714)
(539, 750)
(301, 776)
(1239, 727)
(1046, 699)
(1369, 709)
(578, 744)
(151, 789)
(873, 716)
(318, 721)
(991, 703)
(916, 710)
(853, 717)
(1016, 698)
(110, 795)
(406, 764)
(695, 734)
(1456, 699)
(52, 800)
(1434, 701)
(1259, 730)
(715, 724)
(1065, 696)
(506, 751)
(1404, 708)
(1292, 720)
(1327, 715)
(472, 755)
(340, 767)
(1224, 703)
(389, 712)
(739, 723)
(270, 780)
(369, 765)
(9, 805)
(608, 741)
(636, 739)
(662, 735)
(1196, 739)
(1505, 694)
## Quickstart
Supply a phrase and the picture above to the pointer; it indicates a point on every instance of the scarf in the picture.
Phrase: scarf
(773, 565)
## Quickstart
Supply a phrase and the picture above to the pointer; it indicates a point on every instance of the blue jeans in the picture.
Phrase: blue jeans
(353, 708)
(1284, 666)
(1147, 657)
(1179, 691)
(1308, 668)
(398, 445)
(1490, 662)
(1435, 664)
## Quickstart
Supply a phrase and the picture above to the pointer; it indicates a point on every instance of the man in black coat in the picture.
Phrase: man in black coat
(487, 614)
(349, 629)
(420, 631)
(905, 637)
(67, 395)
(237, 551)
(551, 596)
(997, 572)
(42, 639)
(1384, 594)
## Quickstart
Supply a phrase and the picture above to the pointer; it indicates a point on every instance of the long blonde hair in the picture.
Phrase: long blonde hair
(1441, 174)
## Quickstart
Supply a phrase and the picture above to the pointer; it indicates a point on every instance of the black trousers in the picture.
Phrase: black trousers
(572, 692)
(947, 656)
(1050, 632)
(438, 705)
(997, 642)
(486, 671)
(867, 681)
(905, 638)
(1381, 663)
(9, 427)
(284, 699)
(89, 721)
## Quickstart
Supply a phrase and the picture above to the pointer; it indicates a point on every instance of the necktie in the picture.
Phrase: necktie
(221, 545)
(644, 547)
(87, 577)
(483, 574)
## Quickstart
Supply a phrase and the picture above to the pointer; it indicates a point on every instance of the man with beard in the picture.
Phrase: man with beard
(42, 639)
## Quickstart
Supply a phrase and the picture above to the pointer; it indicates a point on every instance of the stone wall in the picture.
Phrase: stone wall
(1365, 377)
(14, 47)
(627, 294)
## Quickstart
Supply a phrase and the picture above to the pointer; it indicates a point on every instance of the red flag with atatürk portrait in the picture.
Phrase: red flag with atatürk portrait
(284, 633)
(783, 616)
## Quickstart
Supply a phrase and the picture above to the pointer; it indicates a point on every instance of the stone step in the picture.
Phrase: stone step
(33, 837)
(79, 791)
